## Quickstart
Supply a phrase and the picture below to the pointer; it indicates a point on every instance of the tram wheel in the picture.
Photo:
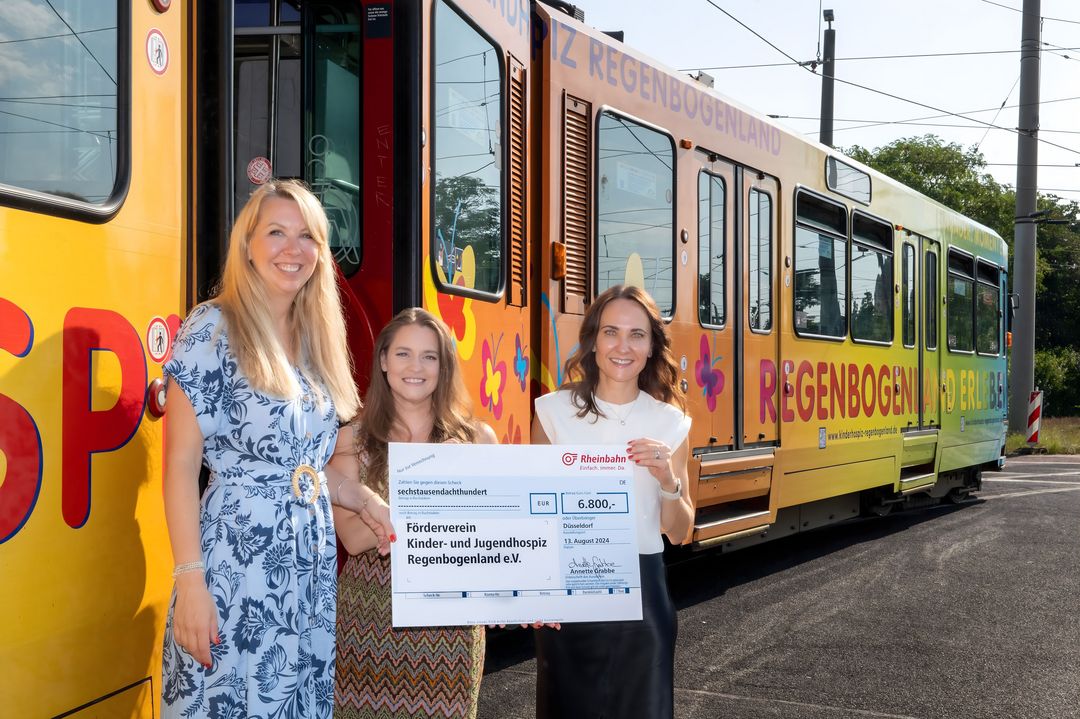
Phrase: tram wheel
(958, 496)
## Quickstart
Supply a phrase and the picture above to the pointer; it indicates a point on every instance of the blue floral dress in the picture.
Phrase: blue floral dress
(270, 555)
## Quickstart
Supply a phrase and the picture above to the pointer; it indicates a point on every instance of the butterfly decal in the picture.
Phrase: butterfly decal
(709, 377)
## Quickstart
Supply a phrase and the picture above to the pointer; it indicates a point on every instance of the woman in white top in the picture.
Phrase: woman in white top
(622, 388)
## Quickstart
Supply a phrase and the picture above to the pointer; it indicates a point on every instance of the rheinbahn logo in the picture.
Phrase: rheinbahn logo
(571, 458)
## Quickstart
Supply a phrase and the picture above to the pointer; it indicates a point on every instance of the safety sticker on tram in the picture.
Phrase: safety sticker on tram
(157, 51)
(158, 339)
(259, 170)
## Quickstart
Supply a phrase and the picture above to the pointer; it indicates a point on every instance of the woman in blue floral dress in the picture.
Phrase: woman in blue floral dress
(259, 379)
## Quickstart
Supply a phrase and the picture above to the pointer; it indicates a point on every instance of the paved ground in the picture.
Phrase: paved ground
(970, 611)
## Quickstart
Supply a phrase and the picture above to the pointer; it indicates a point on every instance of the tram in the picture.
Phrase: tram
(500, 162)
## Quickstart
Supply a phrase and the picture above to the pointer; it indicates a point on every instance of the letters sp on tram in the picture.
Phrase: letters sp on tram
(83, 429)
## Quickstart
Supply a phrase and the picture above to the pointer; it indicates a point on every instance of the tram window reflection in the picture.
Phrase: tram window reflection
(759, 259)
(871, 280)
(907, 299)
(635, 209)
(711, 244)
(59, 123)
(820, 267)
(960, 301)
(468, 155)
(988, 310)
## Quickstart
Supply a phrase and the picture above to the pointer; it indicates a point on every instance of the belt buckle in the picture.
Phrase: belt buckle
(306, 470)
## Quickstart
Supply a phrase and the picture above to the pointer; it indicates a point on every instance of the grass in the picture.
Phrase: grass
(1059, 435)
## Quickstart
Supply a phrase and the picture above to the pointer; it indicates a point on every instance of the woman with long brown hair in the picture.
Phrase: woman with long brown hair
(621, 388)
(416, 395)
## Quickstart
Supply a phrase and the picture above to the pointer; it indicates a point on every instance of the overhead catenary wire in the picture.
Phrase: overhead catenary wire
(76, 36)
(908, 56)
(883, 92)
(1043, 17)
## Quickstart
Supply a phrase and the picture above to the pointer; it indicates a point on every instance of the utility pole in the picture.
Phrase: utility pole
(1022, 379)
(827, 73)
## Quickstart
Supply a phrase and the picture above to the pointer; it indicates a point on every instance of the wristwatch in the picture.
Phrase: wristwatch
(676, 494)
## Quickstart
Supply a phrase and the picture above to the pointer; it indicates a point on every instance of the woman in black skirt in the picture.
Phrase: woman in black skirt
(622, 388)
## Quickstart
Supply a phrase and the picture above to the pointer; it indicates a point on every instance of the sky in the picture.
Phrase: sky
(689, 34)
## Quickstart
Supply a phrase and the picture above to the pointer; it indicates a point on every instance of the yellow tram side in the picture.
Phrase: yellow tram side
(92, 216)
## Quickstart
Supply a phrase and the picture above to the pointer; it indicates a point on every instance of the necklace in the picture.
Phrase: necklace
(620, 417)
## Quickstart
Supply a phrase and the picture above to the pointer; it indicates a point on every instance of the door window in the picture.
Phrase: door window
(711, 244)
(759, 259)
(332, 152)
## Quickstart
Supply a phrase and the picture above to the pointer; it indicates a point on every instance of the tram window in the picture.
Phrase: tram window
(259, 13)
(254, 104)
(871, 280)
(930, 299)
(711, 246)
(960, 303)
(332, 154)
(60, 90)
(467, 155)
(988, 310)
(907, 301)
(848, 181)
(820, 267)
(635, 230)
(759, 261)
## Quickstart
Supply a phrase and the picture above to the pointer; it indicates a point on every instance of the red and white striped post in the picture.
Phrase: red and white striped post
(1034, 417)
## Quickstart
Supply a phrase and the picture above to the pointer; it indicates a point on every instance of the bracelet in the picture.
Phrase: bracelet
(196, 566)
(676, 494)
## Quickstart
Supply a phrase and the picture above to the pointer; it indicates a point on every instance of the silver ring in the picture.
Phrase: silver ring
(658, 454)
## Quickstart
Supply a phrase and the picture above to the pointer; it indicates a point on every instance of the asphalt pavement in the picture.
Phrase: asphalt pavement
(969, 611)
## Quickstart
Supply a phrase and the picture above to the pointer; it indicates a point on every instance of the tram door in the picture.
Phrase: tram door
(311, 100)
(717, 197)
(761, 380)
(929, 320)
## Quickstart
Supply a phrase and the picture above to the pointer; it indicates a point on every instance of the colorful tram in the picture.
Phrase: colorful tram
(841, 337)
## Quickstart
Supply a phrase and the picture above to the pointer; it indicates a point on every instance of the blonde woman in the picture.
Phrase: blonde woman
(416, 395)
(258, 380)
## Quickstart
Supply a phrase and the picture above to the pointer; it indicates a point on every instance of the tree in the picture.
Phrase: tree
(947, 173)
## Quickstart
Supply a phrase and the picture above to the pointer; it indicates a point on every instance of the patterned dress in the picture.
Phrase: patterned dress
(387, 673)
(270, 555)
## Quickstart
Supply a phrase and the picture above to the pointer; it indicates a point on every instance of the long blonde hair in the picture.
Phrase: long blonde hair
(450, 402)
(316, 324)
(660, 376)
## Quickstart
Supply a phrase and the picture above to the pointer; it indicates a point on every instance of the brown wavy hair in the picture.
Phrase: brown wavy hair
(660, 376)
(451, 405)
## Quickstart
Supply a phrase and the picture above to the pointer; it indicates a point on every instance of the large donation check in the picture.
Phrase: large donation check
(490, 534)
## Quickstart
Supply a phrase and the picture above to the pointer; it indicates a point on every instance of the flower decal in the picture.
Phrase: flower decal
(494, 381)
(455, 310)
(521, 362)
(709, 379)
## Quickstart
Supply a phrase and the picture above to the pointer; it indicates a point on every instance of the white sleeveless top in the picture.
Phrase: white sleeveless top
(644, 417)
